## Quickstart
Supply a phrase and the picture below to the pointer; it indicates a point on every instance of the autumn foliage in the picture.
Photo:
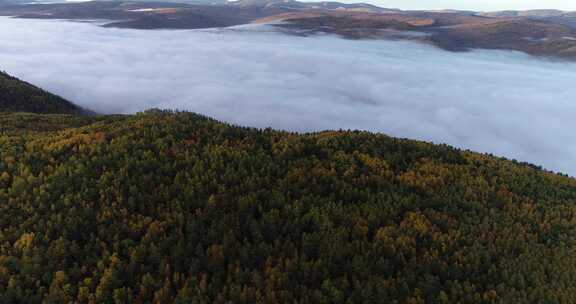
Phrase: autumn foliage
(165, 207)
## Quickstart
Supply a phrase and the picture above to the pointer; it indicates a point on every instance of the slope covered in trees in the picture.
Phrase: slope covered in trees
(173, 207)
(19, 96)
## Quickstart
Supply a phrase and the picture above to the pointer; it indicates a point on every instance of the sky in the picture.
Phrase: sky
(479, 5)
(505, 103)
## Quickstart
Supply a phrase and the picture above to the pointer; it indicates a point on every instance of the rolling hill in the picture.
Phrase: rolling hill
(545, 33)
(175, 207)
(19, 96)
(447, 30)
(534, 37)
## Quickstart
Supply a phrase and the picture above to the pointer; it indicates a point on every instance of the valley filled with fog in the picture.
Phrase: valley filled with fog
(505, 103)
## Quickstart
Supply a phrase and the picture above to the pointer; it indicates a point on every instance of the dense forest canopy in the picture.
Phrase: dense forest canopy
(19, 96)
(165, 207)
(170, 207)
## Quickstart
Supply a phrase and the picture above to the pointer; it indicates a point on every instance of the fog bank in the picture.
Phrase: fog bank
(505, 103)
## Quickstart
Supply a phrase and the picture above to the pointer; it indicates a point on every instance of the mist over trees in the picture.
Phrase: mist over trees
(504, 103)
(175, 207)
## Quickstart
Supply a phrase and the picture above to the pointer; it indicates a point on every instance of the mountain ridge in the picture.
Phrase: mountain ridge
(532, 32)
(19, 96)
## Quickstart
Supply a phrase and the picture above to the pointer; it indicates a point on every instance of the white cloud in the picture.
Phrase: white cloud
(504, 103)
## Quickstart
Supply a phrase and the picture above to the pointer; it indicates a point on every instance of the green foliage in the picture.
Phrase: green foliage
(167, 207)
(19, 96)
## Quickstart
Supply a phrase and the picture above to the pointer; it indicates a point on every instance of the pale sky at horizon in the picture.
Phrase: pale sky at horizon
(478, 5)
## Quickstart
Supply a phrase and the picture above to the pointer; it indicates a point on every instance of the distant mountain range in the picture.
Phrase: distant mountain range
(296, 5)
(550, 33)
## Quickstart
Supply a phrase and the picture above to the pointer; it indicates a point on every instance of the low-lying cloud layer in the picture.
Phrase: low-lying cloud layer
(504, 103)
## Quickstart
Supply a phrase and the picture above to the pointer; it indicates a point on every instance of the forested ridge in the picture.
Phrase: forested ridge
(19, 96)
(164, 207)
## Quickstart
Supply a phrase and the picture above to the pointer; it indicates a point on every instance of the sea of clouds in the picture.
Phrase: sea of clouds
(505, 103)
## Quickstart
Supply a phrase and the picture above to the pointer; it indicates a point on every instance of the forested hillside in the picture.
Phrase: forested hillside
(19, 96)
(166, 207)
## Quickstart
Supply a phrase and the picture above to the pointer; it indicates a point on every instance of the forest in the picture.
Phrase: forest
(175, 207)
(19, 96)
